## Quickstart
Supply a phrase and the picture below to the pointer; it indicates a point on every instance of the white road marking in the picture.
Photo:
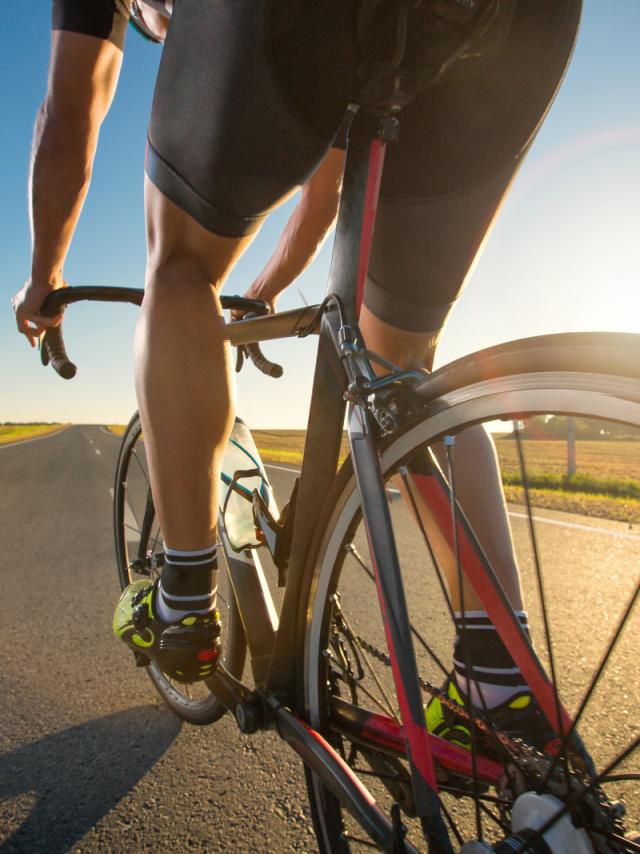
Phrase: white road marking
(543, 519)
(35, 439)
(97, 451)
(281, 468)
(129, 518)
(575, 525)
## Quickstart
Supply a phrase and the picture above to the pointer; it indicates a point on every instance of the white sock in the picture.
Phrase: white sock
(495, 677)
(188, 584)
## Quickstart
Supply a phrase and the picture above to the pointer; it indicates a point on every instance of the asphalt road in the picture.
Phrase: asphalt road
(90, 761)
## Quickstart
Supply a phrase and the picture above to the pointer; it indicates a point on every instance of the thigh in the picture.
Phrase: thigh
(249, 96)
(460, 146)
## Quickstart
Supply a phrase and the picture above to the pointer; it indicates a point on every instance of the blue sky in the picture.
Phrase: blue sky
(565, 254)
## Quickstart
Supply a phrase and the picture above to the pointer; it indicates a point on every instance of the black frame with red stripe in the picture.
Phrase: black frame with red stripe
(354, 234)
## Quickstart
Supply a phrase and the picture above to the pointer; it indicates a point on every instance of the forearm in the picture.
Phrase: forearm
(62, 159)
(312, 219)
(299, 243)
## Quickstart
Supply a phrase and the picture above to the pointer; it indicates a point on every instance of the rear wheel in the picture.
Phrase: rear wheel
(578, 552)
(139, 550)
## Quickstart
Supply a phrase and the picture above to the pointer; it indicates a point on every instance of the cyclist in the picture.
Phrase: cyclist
(249, 97)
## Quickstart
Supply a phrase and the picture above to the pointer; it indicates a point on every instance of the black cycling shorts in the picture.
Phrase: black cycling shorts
(251, 94)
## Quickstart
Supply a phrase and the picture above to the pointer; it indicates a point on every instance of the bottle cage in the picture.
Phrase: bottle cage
(234, 486)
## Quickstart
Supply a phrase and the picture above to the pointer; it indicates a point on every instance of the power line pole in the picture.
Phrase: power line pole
(571, 446)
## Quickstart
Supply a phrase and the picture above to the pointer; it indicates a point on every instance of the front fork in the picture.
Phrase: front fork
(384, 558)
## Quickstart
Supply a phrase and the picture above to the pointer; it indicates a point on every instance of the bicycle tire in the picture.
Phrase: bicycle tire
(204, 708)
(540, 375)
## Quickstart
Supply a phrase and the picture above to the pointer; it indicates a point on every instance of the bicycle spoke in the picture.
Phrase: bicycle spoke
(451, 822)
(426, 528)
(352, 679)
(134, 454)
(347, 837)
(541, 590)
(449, 443)
(131, 528)
(603, 663)
(485, 809)
(403, 471)
(373, 673)
(156, 540)
(416, 634)
(584, 791)
(627, 844)
(619, 778)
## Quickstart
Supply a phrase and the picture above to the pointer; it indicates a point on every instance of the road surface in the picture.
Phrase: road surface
(91, 761)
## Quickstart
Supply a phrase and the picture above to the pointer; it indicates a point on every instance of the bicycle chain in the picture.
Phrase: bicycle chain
(532, 759)
(513, 744)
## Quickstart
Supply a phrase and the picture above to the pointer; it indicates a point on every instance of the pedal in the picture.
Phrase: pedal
(141, 660)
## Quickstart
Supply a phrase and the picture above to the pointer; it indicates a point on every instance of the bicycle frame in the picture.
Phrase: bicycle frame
(281, 650)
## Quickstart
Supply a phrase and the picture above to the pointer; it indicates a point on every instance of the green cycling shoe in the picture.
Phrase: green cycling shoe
(187, 651)
(519, 717)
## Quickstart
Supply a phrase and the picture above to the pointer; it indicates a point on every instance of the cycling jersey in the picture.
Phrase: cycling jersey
(251, 93)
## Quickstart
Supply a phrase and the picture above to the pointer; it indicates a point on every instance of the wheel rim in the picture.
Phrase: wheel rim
(608, 397)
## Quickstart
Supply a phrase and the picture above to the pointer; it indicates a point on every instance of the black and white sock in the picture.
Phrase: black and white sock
(188, 583)
(495, 673)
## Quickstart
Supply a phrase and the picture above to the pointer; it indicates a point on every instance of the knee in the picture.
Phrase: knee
(178, 272)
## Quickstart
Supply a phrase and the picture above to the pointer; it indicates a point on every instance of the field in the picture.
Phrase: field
(603, 458)
(286, 446)
(19, 432)
(606, 484)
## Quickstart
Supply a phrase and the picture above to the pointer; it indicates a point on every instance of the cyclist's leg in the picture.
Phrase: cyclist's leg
(225, 146)
(183, 369)
(443, 183)
(432, 244)
(474, 453)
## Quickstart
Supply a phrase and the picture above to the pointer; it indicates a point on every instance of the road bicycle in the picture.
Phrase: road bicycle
(343, 668)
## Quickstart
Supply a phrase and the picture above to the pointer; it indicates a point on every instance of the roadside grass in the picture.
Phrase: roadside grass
(606, 484)
(10, 433)
(287, 446)
(118, 429)
(615, 487)
(582, 503)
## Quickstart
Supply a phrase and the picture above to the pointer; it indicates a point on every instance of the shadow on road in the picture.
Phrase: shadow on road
(78, 775)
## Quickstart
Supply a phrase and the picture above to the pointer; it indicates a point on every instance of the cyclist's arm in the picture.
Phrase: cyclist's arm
(311, 220)
(83, 75)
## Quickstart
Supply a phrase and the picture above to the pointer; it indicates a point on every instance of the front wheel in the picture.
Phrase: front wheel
(139, 549)
(577, 548)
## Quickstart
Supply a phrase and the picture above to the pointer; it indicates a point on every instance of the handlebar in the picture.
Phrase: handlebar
(52, 349)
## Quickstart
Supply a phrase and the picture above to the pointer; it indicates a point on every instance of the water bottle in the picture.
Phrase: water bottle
(243, 472)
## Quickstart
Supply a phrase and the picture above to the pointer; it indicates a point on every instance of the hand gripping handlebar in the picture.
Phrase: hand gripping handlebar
(52, 349)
